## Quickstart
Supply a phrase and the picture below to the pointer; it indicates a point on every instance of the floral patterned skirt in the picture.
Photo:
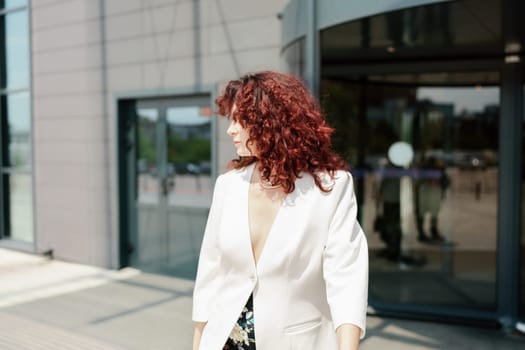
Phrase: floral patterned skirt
(242, 336)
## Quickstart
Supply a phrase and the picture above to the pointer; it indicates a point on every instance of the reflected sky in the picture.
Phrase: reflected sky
(151, 114)
(12, 3)
(186, 116)
(463, 98)
(18, 112)
(17, 49)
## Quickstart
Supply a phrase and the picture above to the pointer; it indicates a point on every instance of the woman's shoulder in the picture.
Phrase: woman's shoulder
(235, 172)
(334, 184)
(225, 182)
(231, 175)
(337, 179)
(342, 175)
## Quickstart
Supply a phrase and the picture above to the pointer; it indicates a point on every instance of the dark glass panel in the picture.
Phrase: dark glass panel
(455, 28)
(424, 154)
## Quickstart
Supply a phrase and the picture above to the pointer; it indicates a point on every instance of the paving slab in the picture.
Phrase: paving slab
(50, 304)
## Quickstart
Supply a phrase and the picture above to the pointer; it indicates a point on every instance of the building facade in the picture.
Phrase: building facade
(427, 100)
(110, 147)
(108, 140)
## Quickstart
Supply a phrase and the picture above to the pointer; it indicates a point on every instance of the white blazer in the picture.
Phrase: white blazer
(311, 277)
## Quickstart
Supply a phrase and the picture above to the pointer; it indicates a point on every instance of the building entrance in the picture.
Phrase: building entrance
(168, 183)
(426, 98)
(424, 151)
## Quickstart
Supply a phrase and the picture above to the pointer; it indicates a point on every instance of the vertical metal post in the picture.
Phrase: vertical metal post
(312, 47)
(3, 146)
(4, 134)
(509, 213)
(112, 242)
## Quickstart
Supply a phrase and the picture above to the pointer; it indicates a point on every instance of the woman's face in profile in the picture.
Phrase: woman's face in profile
(240, 136)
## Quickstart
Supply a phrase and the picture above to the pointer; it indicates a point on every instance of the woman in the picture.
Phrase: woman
(284, 262)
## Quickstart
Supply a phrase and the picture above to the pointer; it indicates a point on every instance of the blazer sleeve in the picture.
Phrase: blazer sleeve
(207, 281)
(345, 261)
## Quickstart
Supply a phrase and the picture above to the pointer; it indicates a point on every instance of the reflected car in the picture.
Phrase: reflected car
(205, 167)
(186, 168)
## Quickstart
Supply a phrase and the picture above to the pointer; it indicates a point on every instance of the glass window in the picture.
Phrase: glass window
(189, 156)
(17, 49)
(189, 182)
(294, 58)
(19, 126)
(15, 119)
(16, 170)
(7, 4)
(20, 207)
(423, 148)
(452, 28)
(147, 178)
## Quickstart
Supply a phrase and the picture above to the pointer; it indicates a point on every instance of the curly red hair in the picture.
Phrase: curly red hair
(286, 125)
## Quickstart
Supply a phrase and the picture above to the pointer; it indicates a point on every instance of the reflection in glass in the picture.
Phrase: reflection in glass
(19, 125)
(147, 167)
(189, 156)
(16, 123)
(431, 224)
(174, 184)
(17, 49)
(12, 3)
(454, 27)
(294, 58)
(20, 207)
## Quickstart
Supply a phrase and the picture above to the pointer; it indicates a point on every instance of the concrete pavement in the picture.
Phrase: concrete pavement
(49, 304)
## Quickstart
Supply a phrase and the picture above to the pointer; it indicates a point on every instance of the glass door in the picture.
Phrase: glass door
(189, 181)
(172, 184)
(424, 154)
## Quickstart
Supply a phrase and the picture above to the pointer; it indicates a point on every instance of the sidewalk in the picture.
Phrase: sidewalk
(48, 305)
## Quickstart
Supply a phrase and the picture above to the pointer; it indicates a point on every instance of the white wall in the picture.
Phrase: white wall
(68, 123)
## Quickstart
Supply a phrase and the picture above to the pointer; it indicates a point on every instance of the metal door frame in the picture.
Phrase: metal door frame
(125, 105)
